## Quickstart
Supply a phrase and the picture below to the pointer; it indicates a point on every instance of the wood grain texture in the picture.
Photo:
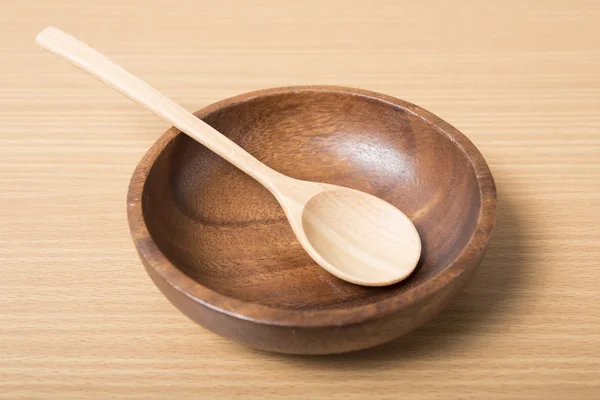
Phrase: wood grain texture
(78, 315)
(219, 247)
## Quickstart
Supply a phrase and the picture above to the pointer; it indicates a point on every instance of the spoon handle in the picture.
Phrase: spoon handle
(113, 75)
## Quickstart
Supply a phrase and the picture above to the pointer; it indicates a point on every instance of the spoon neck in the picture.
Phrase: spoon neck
(247, 163)
(222, 145)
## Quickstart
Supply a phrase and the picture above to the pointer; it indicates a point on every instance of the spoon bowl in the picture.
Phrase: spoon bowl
(339, 225)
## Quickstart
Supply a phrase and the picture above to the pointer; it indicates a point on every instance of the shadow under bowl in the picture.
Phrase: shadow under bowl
(219, 247)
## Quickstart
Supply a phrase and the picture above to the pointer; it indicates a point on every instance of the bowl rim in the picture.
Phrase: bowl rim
(153, 257)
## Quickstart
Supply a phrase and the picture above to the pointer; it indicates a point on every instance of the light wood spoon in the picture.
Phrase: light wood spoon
(353, 235)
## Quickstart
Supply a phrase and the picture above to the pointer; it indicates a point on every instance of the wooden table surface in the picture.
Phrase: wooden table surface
(79, 318)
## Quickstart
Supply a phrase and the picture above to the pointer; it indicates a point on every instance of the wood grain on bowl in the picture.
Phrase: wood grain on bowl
(219, 247)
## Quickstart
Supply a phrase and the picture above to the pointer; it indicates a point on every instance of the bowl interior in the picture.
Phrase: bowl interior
(227, 232)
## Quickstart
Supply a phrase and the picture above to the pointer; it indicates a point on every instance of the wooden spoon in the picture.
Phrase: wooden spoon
(353, 235)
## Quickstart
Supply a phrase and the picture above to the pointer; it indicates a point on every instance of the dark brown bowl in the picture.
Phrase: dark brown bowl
(219, 247)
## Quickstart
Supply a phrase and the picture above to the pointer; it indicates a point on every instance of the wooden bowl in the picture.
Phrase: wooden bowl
(218, 246)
